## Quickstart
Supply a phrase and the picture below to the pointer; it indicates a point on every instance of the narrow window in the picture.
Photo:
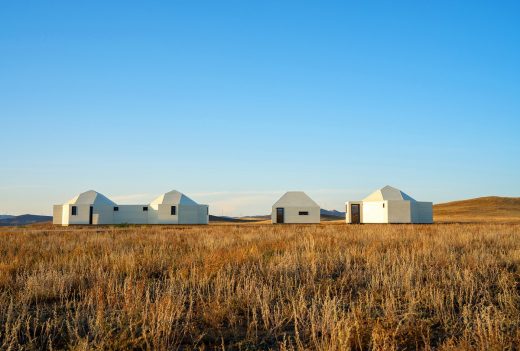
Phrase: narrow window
(304, 213)
(116, 209)
(383, 205)
(173, 210)
(74, 210)
(145, 208)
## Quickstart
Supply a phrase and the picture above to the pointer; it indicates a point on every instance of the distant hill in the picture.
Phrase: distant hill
(24, 219)
(257, 217)
(5, 216)
(482, 209)
(226, 219)
(331, 215)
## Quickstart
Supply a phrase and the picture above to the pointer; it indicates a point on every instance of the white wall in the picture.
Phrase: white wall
(131, 214)
(203, 214)
(422, 212)
(193, 214)
(82, 214)
(374, 212)
(399, 211)
(103, 215)
(57, 214)
(291, 215)
(134, 214)
(164, 215)
(393, 211)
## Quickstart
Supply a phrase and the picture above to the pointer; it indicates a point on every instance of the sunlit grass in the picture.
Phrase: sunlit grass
(326, 287)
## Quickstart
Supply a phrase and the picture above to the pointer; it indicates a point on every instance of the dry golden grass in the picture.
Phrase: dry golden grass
(483, 209)
(316, 287)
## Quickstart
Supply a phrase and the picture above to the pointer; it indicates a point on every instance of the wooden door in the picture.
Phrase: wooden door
(279, 215)
(355, 215)
(90, 215)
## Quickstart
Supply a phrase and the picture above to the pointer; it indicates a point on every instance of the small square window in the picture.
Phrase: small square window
(116, 209)
(74, 210)
(173, 210)
(304, 213)
(145, 208)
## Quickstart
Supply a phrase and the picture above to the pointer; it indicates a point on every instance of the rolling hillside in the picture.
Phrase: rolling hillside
(24, 219)
(482, 209)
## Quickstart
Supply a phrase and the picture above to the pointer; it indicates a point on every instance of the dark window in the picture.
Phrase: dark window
(74, 210)
(116, 209)
(383, 205)
(145, 208)
(173, 210)
(304, 213)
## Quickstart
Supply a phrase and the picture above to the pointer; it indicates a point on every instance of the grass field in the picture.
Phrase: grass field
(323, 287)
(483, 209)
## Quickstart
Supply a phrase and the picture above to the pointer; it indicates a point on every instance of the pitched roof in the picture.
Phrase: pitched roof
(295, 199)
(388, 193)
(91, 197)
(173, 197)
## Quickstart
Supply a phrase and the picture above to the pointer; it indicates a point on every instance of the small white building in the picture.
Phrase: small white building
(389, 205)
(92, 207)
(89, 207)
(176, 208)
(295, 207)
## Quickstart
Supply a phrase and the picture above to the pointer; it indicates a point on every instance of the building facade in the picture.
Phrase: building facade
(389, 205)
(93, 208)
(295, 207)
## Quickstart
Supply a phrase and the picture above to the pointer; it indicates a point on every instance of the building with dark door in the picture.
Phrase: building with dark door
(295, 207)
(388, 205)
(92, 207)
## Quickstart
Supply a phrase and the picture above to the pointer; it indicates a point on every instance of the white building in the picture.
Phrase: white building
(389, 205)
(92, 207)
(89, 207)
(295, 207)
(176, 208)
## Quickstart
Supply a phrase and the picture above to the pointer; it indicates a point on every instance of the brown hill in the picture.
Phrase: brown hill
(482, 209)
(24, 219)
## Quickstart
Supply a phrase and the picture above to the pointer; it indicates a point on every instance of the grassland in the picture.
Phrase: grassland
(483, 209)
(323, 287)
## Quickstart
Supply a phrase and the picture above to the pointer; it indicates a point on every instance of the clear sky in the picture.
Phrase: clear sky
(235, 102)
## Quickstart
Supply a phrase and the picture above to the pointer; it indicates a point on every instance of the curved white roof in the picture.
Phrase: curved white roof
(295, 199)
(91, 197)
(173, 197)
(388, 193)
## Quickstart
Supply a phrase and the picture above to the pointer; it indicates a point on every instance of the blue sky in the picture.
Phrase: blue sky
(235, 102)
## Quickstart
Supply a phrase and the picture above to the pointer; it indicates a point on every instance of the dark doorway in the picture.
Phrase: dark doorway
(355, 216)
(279, 215)
(91, 214)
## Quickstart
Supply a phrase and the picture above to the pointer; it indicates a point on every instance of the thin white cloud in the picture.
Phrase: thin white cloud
(242, 205)
(250, 202)
(226, 193)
